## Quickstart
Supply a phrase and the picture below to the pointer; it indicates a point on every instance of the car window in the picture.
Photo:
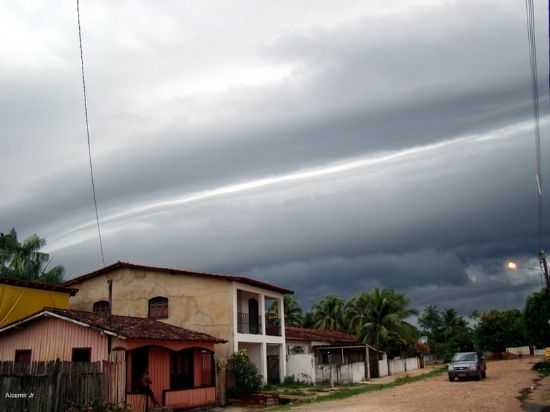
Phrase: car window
(464, 357)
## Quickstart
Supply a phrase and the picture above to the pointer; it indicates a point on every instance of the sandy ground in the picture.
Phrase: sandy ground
(499, 392)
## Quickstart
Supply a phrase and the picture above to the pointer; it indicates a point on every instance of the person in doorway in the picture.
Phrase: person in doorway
(146, 385)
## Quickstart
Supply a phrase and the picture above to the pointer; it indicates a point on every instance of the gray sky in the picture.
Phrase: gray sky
(328, 147)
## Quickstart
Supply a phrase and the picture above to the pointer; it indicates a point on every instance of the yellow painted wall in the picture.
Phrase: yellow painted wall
(204, 305)
(17, 302)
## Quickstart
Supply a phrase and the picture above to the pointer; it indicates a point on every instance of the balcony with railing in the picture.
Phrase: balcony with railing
(273, 326)
(249, 324)
(253, 309)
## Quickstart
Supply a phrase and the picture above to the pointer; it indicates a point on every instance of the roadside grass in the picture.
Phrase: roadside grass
(358, 389)
(543, 368)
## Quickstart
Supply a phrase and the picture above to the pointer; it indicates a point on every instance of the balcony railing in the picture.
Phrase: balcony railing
(249, 324)
(273, 327)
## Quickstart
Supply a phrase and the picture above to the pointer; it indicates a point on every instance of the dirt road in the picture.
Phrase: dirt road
(497, 393)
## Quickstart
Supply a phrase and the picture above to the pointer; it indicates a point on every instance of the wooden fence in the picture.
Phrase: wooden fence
(59, 386)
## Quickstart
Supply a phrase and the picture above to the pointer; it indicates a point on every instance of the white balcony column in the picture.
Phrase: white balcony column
(262, 313)
(263, 355)
(235, 319)
(283, 335)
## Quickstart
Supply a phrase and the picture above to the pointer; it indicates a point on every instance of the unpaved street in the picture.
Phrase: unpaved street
(498, 393)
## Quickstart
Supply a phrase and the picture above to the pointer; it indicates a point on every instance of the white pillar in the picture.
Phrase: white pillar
(283, 335)
(235, 320)
(263, 357)
(367, 374)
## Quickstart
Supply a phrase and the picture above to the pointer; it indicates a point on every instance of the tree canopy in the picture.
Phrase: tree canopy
(537, 316)
(25, 261)
(498, 330)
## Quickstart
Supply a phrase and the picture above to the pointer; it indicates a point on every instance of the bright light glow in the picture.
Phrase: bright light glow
(512, 265)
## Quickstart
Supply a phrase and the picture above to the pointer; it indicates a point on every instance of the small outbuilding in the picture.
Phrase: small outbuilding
(318, 355)
(180, 362)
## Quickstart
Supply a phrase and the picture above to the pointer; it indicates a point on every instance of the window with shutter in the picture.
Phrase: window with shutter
(158, 308)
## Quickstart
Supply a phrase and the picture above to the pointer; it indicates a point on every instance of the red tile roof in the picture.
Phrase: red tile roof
(38, 285)
(320, 335)
(127, 265)
(125, 326)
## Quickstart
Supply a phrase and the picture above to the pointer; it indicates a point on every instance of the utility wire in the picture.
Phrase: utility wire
(536, 113)
(85, 96)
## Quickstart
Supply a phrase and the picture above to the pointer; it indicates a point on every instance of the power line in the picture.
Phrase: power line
(531, 35)
(85, 96)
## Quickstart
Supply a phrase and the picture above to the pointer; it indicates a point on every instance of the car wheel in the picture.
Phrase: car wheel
(484, 374)
(451, 378)
(478, 376)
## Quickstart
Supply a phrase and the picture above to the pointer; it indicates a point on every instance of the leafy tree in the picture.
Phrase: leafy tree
(328, 313)
(385, 319)
(294, 315)
(357, 312)
(497, 330)
(309, 322)
(537, 316)
(25, 261)
(447, 331)
(246, 379)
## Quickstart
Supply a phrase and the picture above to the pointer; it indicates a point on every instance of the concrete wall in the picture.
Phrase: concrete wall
(397, 366)
(196, 303)
(302, 367)
(383, 366)
(341, 374)
(412, 364)
(254, 351)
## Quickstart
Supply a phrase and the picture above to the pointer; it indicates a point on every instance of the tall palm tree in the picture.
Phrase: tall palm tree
(357, 314)
(25, 260)
(294, 315)
(385, 317)
(328, 313)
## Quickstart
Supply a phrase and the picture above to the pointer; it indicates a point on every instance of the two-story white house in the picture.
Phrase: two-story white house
(245, 312)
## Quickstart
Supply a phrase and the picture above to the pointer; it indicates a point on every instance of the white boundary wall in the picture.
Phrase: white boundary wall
(302, 367)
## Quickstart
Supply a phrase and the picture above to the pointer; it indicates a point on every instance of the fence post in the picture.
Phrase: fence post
(59, 372)
(52, 379)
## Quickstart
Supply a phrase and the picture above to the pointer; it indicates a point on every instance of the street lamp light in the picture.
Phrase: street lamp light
(511, 265)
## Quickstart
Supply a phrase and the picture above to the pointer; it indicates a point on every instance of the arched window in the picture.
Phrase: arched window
(102, 307)
(158, 308)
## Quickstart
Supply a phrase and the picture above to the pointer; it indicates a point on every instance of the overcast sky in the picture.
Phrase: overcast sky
(328, 147)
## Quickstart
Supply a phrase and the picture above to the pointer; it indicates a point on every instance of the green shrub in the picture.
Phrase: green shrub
(246, 379)
(543, 368)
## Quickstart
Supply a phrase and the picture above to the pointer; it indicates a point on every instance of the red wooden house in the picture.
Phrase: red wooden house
(180, 362)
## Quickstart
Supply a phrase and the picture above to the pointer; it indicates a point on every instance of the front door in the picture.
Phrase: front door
(273, 375)
(140, 363)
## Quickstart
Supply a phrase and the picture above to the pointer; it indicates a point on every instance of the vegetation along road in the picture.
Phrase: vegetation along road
(499, 392)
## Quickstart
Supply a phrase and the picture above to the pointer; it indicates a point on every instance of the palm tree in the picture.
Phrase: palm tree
(356, 314)
(385, 317)
(294, 315)
(328, 313)
(25, 260)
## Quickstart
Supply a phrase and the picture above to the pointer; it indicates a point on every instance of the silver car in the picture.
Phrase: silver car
(467, 365)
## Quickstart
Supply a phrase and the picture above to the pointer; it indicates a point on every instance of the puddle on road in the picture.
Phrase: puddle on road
(531, 407)
(527, 405)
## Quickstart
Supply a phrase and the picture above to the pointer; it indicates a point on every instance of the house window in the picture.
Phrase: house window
(297, 350)
(23, 356)
(182, 369)
(158, 308)
(102, 307)
(82, 354)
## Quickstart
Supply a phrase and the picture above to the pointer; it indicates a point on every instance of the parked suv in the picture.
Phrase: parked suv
(467, 365)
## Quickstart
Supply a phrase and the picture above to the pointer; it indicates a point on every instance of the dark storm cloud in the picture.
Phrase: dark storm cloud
(368, 84)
